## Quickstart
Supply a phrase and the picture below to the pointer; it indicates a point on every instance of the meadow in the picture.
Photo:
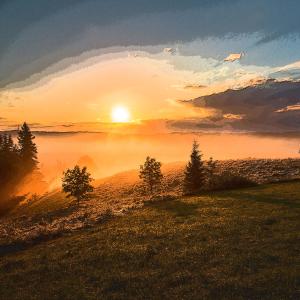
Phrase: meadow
(51, 214)
(241, 244)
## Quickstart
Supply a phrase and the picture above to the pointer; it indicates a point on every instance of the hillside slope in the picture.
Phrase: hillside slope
(241, 244)
(54, 214)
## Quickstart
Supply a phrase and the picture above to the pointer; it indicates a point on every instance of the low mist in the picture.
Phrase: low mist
(106, 154)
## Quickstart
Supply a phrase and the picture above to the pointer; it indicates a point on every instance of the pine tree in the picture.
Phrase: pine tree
(9, 160)
(7, 147)
(151, 174)
(195, 172)
(211, 169)
(6, 144)
(27, 148)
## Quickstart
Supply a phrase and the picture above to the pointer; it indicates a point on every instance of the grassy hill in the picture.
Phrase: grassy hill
(241, 244)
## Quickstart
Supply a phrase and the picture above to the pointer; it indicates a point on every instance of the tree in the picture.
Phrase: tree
(77, 183)
(150, 173)
(27, 148)
(211, 169)
(9, 161)
(16, 161)
(194, 179)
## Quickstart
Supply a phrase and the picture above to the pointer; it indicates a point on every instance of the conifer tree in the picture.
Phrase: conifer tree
(151, 174)
(27, 148)
(194, 179)
(211, 169)
(9, 160)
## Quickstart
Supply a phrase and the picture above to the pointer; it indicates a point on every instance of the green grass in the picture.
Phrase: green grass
(241, 244)
(49, 203)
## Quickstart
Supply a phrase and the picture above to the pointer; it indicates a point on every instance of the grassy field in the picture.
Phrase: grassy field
(241, 244)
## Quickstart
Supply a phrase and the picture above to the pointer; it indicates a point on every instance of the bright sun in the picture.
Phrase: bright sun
(120, 114)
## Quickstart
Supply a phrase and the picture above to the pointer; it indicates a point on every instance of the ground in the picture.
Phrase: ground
(52, 213)
(241, 244)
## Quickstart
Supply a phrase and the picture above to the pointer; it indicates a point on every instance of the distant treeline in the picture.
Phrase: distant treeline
(17, 160)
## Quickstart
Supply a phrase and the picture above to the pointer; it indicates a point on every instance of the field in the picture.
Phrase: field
(53, 214)
(241, 244)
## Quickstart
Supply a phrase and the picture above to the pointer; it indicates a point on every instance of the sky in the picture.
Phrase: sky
(68, 64)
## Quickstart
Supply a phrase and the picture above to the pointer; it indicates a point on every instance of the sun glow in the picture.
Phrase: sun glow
(120, 114)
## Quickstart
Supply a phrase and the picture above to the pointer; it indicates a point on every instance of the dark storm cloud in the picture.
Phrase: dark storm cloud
(269, 106)
(37, 33)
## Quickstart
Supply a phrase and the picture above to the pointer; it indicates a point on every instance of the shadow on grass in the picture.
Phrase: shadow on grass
(9, 204)
(176, 207)
(18, 246)
(262, 194)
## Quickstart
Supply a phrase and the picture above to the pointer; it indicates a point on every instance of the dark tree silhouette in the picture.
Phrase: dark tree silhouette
(211, 169)
(27, 148)
(76, 183)
(151, 174)
(9, 160)
(194, 179)
(16, 162)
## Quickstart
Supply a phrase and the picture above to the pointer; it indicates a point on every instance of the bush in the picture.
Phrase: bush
(162, 198)
(227, 181)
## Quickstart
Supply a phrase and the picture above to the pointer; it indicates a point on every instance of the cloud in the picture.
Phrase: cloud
(290, 71)
(289, 108)
(33, 40)
(268, 106)
(234, 56)
(233, 116)
(195, 86)
(270, 37)
(169, 50)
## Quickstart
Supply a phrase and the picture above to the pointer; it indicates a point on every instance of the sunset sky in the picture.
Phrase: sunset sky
(66, 63)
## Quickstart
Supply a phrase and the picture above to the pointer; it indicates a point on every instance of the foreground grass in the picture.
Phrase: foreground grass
(229, 245)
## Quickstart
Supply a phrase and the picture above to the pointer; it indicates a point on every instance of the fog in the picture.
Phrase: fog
(106, 154)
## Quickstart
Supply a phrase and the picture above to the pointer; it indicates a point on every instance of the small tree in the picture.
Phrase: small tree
(151, 174)
(195, 172)
(211, 169)
(76, 183)
(27, 148)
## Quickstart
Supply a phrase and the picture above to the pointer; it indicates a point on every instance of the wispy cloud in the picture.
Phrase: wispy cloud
(289, 108)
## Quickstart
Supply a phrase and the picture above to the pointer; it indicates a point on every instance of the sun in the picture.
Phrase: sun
(120, 114)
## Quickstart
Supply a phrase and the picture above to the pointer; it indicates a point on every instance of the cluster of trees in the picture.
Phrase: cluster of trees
(199, 175)
(17, 159)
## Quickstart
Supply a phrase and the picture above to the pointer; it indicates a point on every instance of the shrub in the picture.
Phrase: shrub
(227, 180)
